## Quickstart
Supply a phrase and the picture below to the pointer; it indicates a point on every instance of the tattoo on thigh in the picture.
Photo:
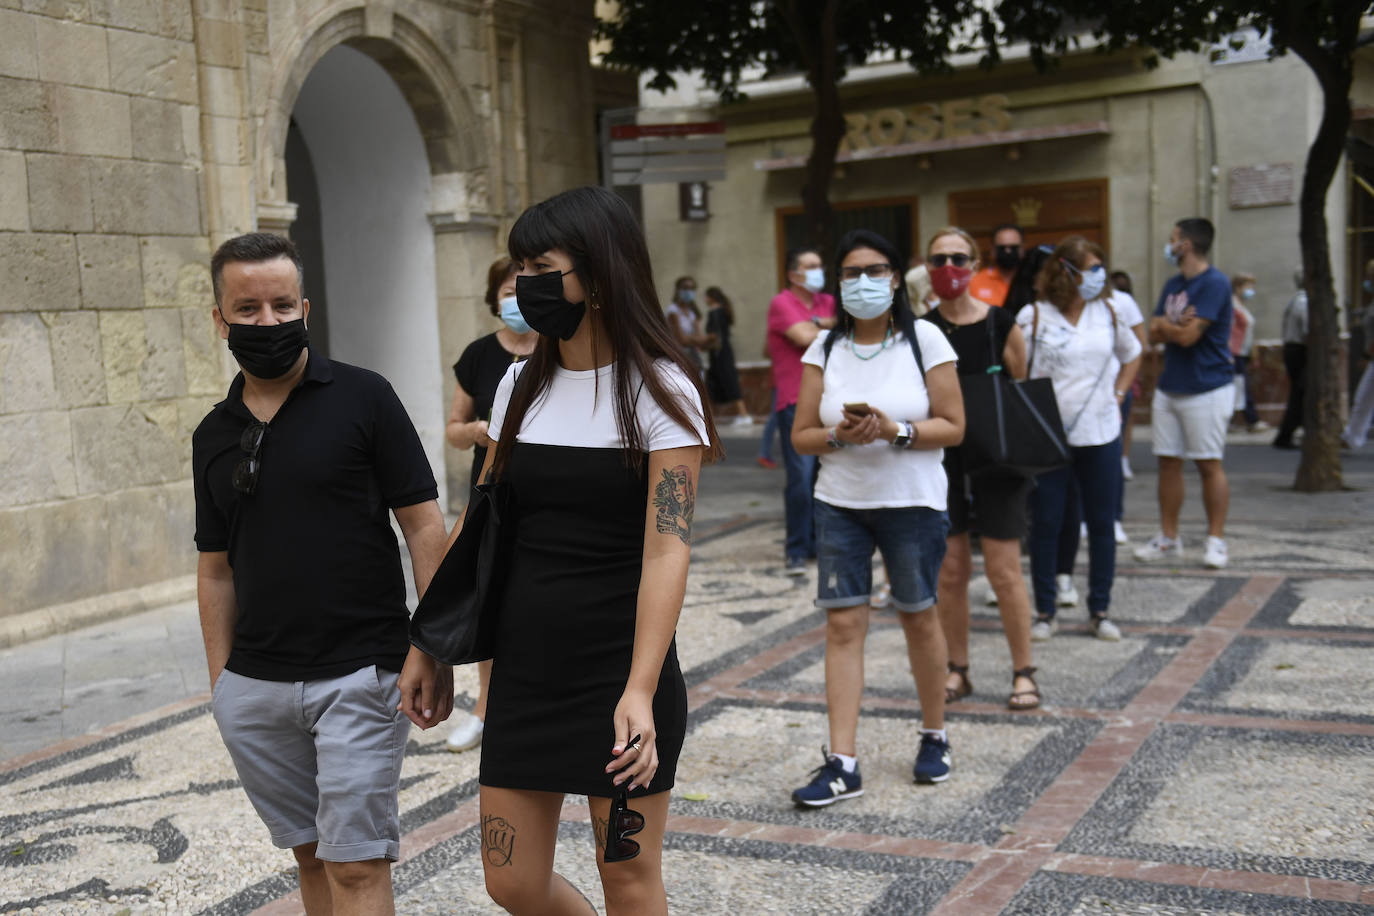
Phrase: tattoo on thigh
(676, 500)
(600, 826)
(498, 840)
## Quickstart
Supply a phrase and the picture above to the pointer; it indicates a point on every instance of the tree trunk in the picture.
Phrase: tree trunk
(1320, 467)
(827, 129)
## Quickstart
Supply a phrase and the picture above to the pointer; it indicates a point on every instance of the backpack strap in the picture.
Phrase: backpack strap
(916, 350)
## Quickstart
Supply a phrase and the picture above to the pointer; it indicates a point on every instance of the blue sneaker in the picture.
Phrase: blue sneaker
(830, 783)
(932, 760)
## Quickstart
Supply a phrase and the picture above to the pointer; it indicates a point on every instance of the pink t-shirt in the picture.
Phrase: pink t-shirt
(784, 311)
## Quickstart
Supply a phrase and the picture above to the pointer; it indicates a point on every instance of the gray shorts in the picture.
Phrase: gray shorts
(320, 760)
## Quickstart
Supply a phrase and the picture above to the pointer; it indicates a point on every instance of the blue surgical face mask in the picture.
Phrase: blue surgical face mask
(1248, 293)
(815, 280)
(687, 295)
(1169, 254)
(863, 297)
(510, 314)
(1090, 281)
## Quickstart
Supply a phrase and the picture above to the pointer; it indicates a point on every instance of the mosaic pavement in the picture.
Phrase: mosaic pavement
(1216, 761)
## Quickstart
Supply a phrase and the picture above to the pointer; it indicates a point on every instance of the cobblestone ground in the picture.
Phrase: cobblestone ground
(1218, 760)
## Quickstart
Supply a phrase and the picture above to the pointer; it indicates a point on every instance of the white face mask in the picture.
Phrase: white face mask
(1092, 282)
(863, 297)
(1169, 254)
(815, 280)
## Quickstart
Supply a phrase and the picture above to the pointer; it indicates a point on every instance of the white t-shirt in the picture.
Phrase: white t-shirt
(578, 409)
(1082, 361)
(878, 476)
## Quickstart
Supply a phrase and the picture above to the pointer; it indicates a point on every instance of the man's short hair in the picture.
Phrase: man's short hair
(1001, 227)
(795, 254)
(1199, 231)
(252, 248)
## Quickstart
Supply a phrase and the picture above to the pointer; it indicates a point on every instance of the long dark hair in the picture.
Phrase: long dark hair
(1022, 292)
(902, 316)
(597, 230)
(718, 294)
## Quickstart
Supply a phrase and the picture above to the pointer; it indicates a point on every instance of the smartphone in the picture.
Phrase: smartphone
(859, 409)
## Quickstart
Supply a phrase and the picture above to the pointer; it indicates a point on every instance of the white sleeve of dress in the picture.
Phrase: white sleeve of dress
(660, 431)
(502, 400)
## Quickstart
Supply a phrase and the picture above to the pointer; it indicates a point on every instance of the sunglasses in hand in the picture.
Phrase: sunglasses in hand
(623, 823)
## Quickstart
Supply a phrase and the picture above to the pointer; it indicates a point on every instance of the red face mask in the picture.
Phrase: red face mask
(949, 282)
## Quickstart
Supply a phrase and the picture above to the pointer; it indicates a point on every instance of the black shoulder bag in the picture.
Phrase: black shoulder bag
(1011, 428)
(456, 619)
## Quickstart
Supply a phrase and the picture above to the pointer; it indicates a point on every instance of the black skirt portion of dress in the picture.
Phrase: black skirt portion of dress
(567, 626)
(722, 378)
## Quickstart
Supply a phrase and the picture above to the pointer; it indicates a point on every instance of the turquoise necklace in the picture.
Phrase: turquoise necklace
(854, 348)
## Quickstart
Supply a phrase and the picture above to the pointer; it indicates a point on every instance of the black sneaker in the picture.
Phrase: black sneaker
(829, 784)
(932, 760)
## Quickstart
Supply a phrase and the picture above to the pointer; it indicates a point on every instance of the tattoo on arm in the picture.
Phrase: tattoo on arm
(498, 840)
(676, 500)
(600, 826)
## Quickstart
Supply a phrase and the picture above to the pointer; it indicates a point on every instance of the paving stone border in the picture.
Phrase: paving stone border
(1106, 827)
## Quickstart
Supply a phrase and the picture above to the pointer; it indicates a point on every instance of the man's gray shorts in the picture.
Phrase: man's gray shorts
(320, 760)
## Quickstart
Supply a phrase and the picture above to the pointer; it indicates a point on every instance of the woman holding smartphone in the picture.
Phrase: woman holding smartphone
(600, 436)
(983, 336)
(880, 416)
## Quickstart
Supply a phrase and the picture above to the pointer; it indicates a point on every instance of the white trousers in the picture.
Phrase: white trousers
(1361, 410)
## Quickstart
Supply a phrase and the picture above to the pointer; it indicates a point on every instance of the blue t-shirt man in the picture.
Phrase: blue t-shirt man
(1206, 365)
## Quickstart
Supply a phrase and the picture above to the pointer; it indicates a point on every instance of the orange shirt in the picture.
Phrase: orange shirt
(990, 286)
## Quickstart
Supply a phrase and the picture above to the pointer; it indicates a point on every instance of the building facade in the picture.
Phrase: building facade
(396, 140)
(1102, 146)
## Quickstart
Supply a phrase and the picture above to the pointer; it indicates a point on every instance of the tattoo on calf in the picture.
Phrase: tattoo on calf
(600, 826)
(498, 840)
(676, 500)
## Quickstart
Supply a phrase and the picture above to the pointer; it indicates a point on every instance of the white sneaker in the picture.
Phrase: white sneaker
(1065, 594)
(1126, 471)
(1160, 548)
(1119, 532)
(881, 597)
(1215, 555)
(1042, 630)
(742, 420)
(1104, 629)
(467, 734)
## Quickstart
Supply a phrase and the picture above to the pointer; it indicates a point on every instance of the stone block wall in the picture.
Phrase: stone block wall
(137, 134)
(108, 357)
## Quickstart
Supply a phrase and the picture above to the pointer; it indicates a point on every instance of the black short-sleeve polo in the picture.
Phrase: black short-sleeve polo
(317, 570)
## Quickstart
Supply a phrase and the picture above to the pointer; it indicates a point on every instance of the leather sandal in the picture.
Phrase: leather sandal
(965, 685)
(1024, 699)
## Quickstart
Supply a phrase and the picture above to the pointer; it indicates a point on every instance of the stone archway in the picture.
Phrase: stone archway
(399, 157)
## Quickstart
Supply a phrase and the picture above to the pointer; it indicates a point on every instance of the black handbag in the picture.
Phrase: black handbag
(456, 619)
(1011, 428)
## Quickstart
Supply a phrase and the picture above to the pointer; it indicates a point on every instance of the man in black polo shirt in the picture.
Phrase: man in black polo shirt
(302, 597)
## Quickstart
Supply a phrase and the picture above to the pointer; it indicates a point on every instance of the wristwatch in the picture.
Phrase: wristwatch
(905, 431)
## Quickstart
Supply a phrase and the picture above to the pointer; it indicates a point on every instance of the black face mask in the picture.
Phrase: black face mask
(1007, 257)
(268, 350)
(541, 302)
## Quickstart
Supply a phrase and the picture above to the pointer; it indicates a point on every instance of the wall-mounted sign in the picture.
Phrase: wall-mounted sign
(667, 153)
(986, 114)
(1265, 185)
(693, 205)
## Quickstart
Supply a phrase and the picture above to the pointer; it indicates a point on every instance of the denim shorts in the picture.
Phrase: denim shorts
(319, 760)
(912, 543)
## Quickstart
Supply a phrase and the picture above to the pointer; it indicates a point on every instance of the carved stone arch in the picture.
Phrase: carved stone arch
(454, 137)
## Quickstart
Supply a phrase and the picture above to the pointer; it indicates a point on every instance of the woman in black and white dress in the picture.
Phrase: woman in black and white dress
(600, 435)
